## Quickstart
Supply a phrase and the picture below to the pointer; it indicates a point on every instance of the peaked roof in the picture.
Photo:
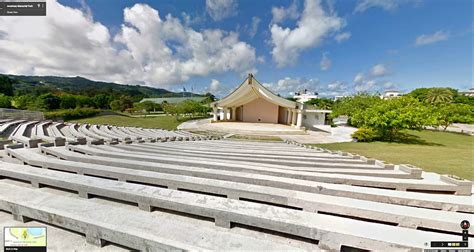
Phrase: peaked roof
(250, 90)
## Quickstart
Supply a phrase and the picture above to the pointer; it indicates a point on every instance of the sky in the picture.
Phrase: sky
(332, 47)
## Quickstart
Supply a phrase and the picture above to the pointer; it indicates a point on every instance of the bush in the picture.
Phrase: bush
(364, 135)
(387, 118)
(5, 101)
(69, 114)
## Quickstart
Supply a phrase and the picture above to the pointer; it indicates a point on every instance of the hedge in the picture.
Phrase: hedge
(68, 114)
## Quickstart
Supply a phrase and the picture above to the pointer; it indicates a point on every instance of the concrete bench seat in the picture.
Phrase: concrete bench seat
(84, 130)
(275, 146)
(8, 125)
(159, 133)
(139, 132)
(296, 152)
(267, 155)
(324, 228)
(294, 163)
(380, 182)
(56, 128)
(39, 132)
(212, 162)
(111, 139)
(19, 135)
(433, 201)
(105, 131)
(74, 130)
(401, 215)
(129, 131)
(127, 227)
(121, 133)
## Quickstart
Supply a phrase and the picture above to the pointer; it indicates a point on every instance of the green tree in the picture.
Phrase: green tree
(169, 109)
(48, 101)
(387, 118)
(126, 102)
(6, 85)
(439, 95)
(452, 113)
(68, 102)
(419, 93)
(23, 101)
(115, 105)
(148, 106)
(101, 101)
(321, 103)
(349, 106)
(5, 101)
(83, 101)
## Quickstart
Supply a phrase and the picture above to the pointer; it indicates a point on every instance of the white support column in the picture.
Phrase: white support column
(214, 114)
(232, 114)
(288, 116)
(293, 117)
(299, 121)
(224, 114)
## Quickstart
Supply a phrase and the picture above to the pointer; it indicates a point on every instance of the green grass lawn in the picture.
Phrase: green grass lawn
(163, 122)
(440, 152)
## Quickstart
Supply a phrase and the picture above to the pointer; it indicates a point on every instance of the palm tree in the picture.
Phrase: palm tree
(439, 95)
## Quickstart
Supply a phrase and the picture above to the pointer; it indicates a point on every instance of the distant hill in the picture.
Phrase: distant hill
(79, 85)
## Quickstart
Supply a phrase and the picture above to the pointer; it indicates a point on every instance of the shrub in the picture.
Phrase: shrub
(69, 114)
(364, 135)
(387, 118)
(5, 101)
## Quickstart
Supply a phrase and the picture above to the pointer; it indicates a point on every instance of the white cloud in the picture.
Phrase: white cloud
(279, 14)
(362, 83)
(359, 78)
(221, 9)
(148, 49)
(254, 26)
(215, 85)
(389, 85)
(365, 86)
(426, 39)
(378, 70)
(342, 36)
(315, 25)
(325, 63)
(388, 5)
(337, 86)
(289, 85)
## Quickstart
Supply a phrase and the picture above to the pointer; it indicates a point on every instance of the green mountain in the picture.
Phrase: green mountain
(36, 85)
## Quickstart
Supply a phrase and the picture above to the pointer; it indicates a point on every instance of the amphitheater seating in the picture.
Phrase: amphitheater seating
(167, 192)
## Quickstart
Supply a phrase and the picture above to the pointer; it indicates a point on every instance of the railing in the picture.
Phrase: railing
(21, 114)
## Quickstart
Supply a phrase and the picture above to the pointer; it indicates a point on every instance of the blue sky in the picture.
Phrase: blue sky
(332, 47)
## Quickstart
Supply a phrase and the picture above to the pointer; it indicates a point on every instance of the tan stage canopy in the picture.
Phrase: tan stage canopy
(250, 90)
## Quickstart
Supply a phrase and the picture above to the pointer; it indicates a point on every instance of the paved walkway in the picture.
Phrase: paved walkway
(332, 135)
(337, 135)
(459, 128)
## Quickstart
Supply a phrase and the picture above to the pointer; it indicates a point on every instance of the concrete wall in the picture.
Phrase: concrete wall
(310, 119)
(259, 110)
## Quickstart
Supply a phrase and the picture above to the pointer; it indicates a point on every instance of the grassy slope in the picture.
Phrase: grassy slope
(163, 122)
(440, 152)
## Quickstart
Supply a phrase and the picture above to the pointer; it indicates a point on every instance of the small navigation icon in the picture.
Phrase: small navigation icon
(465, 224)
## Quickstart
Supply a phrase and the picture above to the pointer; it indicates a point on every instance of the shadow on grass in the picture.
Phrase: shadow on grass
(405, 138)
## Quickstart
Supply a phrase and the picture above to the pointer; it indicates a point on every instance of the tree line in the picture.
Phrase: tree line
(379, 119)
(59, 103)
